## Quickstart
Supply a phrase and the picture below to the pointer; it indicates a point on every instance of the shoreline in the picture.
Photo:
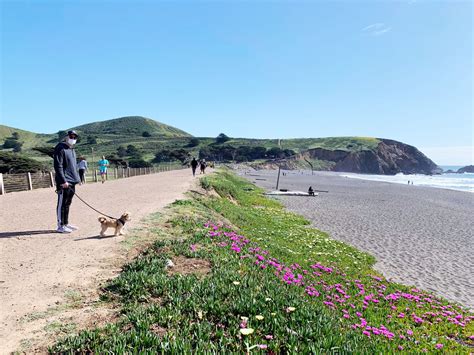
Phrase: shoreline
(420, 235)
(418, 180)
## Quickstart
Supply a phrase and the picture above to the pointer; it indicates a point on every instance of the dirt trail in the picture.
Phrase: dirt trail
(41, 271)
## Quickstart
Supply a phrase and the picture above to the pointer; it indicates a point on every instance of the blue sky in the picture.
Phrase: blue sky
(391, 69)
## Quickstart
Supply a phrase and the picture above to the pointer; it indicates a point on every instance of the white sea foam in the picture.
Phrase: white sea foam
(460, 182)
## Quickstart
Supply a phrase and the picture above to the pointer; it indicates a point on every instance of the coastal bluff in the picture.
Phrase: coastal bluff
(389, 157)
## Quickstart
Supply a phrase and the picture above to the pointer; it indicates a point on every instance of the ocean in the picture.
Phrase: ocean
(460, 182)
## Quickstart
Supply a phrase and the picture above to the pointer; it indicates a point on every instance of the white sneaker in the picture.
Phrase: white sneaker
(72, 227)
(63, 229)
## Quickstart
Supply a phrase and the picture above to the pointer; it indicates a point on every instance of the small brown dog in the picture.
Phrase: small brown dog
(118, 224)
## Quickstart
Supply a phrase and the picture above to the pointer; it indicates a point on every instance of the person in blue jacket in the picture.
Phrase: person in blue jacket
(66, 178)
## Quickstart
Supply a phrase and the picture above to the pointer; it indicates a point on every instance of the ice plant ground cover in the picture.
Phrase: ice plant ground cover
(275, 286)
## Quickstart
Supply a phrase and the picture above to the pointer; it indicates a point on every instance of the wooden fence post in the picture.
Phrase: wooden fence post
(30, 183)
(2, 185)
(95, 175)
(115, 173)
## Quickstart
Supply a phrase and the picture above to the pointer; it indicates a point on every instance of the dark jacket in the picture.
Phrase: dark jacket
(65, 165)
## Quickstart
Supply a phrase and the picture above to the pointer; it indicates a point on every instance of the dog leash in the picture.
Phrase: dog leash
(91, 206)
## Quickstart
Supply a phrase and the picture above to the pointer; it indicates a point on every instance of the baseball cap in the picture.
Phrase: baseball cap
(72, 132)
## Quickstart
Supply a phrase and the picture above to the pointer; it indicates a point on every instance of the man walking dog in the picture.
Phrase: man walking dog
(66, 178)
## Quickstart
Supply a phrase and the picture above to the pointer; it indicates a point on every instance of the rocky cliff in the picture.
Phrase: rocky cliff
(388, 158)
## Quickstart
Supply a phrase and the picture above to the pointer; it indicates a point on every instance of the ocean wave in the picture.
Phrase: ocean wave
(460, 182)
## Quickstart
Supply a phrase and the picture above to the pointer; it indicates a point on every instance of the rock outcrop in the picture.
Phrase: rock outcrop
(466, 169)
(388, 158)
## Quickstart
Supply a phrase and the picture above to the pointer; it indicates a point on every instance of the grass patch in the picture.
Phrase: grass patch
(271, 283)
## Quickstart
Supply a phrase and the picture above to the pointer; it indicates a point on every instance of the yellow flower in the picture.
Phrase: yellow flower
(244, 318)
(259, 317)
(268, 299)
(200, 314)
(246, 331)
(273, 314)
(291, 309)
(236, 283)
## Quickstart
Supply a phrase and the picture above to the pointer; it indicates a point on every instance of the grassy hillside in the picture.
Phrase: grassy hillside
(149, 137)
(129, 127)
(299, 144)
(29, 139)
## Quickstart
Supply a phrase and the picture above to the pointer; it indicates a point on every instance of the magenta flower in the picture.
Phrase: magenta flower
(439, 346)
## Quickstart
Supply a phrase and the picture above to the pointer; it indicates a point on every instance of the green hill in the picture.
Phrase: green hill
(29, 139)
(140, 141)
(130, 126)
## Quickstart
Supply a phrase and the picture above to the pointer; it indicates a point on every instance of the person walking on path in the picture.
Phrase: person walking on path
(103, 165)
(203, 166)
(194, 165)
(82, 169)
(66, 178)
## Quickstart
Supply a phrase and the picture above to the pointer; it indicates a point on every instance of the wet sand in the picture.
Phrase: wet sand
(421, 236)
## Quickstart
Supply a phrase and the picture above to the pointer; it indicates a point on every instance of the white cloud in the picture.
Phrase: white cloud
(462, 155)
(376, 29)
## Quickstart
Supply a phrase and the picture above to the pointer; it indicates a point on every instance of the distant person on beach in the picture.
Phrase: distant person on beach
(66, 178)
(82, 169)
(194, 165)
(103, 165)
(311, 191)
(203, 166)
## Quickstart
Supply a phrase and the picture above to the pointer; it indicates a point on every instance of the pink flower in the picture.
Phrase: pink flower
(400, 347)
(262, 346)
(439, 346)
(401, 315)
(269, 337)
(410, 332)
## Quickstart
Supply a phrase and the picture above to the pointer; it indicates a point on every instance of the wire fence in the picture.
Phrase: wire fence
(30, 181)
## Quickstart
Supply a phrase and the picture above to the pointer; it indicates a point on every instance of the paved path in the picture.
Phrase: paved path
(40, 270)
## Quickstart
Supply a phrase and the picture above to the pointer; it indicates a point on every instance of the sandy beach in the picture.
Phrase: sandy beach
(421, 236)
